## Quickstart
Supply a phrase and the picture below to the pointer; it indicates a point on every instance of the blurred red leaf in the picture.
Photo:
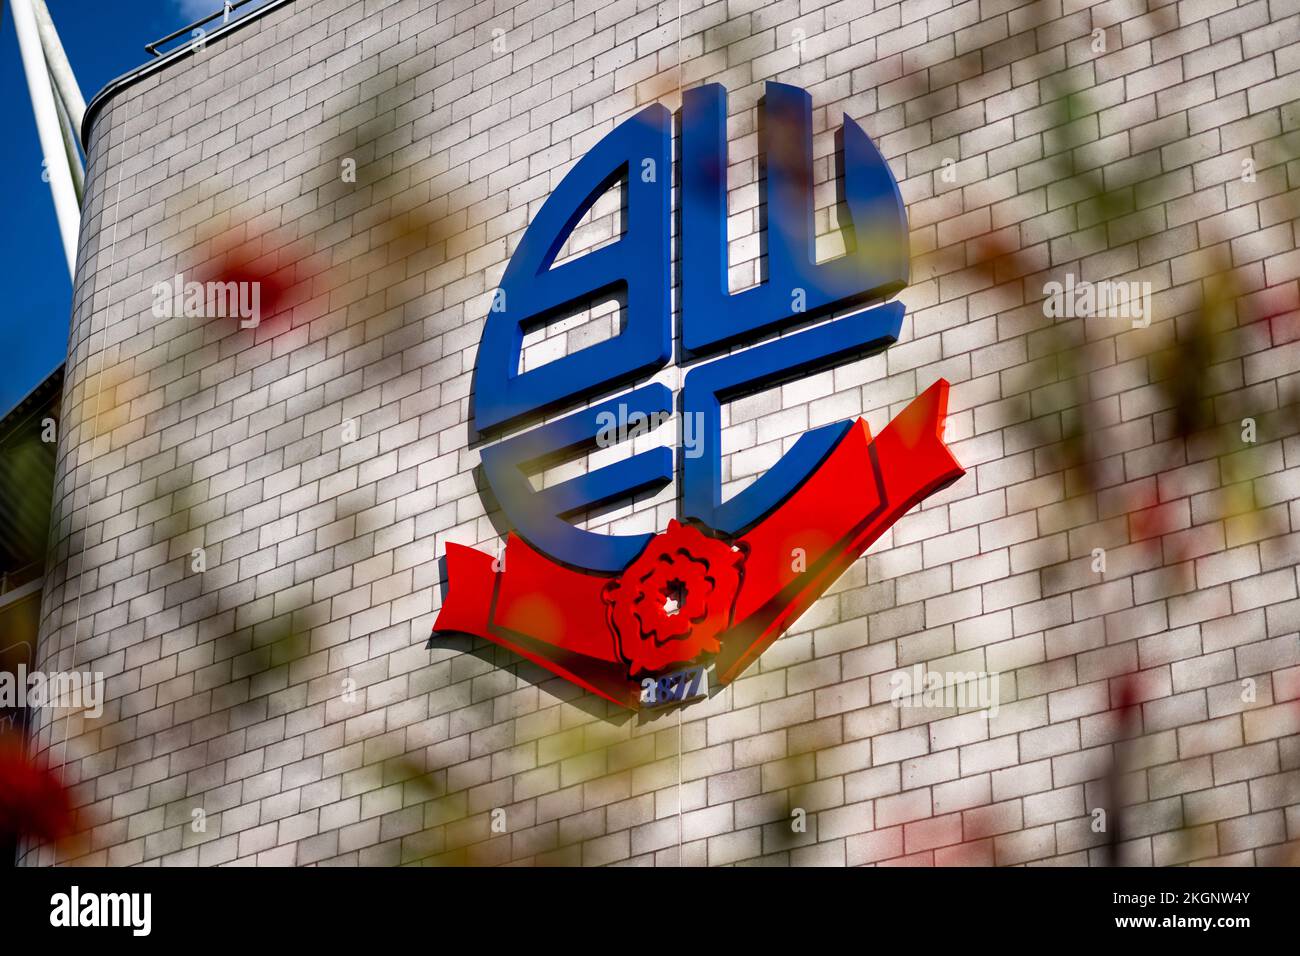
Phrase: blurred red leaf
(33, 802)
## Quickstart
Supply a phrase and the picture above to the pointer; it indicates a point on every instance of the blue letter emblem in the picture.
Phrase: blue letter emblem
(797, 291)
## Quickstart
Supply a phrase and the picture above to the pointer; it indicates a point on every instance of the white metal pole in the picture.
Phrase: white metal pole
(56, 61)
(70, 146)
(67, 94)
(47, 127)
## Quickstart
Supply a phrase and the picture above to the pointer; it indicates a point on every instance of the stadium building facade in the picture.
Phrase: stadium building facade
(253, 506)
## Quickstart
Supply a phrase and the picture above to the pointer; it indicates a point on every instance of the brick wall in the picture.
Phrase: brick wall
(1124, 690)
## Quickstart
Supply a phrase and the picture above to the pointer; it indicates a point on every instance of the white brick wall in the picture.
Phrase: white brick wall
(1119, 691)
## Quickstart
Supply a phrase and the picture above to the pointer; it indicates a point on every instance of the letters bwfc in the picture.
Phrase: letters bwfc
(609, 611)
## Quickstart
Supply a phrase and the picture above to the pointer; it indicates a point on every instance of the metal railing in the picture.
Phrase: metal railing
(12, 580)
(227, 8)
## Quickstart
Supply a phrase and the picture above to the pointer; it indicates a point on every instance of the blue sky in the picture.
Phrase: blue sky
(103, 39)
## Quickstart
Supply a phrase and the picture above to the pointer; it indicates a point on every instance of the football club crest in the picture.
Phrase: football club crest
(640, 619)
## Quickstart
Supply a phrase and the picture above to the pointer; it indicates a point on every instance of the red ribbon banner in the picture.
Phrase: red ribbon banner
(689, 596)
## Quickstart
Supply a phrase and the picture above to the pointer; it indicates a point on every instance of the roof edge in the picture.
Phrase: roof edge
(114, 86)
(40, 393)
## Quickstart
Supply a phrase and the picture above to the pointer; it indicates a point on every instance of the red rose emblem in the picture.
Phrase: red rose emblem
(673, 601)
